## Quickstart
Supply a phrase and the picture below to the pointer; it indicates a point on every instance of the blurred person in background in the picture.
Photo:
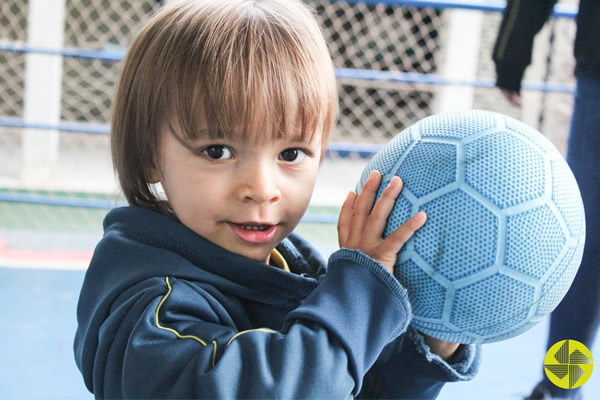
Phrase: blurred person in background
(577, 316)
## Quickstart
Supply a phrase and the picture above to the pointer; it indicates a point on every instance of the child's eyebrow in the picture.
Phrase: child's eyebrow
(298, 138)
(306, 139)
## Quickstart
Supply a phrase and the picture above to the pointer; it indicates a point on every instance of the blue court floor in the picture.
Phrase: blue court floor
(38, 323)
(36, 334)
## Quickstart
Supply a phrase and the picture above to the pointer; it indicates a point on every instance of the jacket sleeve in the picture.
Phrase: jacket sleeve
(170, 338)
(407, 369)
(521, 21)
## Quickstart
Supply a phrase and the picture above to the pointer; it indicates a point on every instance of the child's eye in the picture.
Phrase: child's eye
(217, 152)
(293, 156)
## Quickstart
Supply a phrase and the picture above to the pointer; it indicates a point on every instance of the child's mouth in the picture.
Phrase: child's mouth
(255, 233)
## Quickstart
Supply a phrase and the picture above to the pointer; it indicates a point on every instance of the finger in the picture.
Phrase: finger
(381, 211)
(362, 207)
(396, 240)
(514, 98)
(345, 218)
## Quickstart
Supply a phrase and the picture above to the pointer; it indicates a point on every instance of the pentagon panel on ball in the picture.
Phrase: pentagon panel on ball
(505, 229)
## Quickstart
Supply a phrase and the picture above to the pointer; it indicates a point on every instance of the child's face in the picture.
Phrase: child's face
(241, 196)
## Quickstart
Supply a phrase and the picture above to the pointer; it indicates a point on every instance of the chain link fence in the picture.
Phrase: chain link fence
(382, 38)
(413, 42)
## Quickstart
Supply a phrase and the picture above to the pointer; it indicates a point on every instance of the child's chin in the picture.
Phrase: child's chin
(261, 258)
(260, 255)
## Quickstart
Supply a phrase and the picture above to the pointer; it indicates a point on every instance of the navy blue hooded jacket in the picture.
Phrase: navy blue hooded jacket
(164, 313)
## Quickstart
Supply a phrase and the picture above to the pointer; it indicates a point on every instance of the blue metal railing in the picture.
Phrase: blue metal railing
(560, 10)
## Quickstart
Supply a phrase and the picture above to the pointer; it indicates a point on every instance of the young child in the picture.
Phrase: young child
(206, 292)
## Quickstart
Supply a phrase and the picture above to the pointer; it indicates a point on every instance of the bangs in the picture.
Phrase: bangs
(252, 78)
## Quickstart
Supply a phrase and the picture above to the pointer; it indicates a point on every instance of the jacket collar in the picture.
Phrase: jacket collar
(150, 244)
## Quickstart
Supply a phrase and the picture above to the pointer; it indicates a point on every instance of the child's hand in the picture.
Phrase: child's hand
(439, 347)
(361, 224)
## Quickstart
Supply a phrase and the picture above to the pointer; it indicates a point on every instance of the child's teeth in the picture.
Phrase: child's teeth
(254, 227)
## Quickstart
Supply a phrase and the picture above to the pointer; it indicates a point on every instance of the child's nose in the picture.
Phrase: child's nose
(258, 183)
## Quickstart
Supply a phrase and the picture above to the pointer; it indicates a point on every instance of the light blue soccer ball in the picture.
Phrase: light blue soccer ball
(505, 229)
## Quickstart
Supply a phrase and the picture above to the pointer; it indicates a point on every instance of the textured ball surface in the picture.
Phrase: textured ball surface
(505, 229)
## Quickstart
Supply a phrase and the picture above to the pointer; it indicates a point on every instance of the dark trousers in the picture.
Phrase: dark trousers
(578, 315)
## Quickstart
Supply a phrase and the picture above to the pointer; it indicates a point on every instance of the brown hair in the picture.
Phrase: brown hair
(219, 60)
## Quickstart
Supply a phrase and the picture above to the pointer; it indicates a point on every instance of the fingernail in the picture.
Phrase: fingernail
(394, 182)
(373, 174)
(420, 216)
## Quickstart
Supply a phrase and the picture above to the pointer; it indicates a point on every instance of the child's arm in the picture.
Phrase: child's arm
(408, 369)
(417, 367)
